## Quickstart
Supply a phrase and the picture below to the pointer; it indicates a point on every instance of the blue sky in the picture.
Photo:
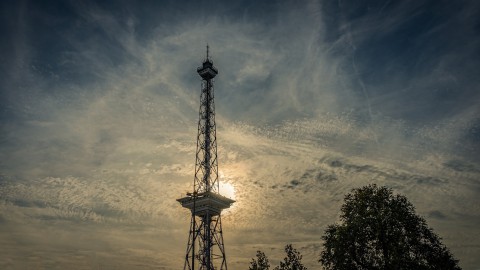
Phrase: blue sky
(99, 104)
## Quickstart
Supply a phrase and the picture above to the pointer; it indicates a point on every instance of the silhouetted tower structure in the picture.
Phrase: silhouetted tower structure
(205, 248)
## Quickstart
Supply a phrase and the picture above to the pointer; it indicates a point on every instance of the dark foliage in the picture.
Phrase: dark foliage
(261, 263)
(380, 230)
(293, 261)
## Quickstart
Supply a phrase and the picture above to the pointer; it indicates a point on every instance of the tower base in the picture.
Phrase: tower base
(205, 248)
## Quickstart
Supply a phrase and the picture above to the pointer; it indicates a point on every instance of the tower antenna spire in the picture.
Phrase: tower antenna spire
(205, 248)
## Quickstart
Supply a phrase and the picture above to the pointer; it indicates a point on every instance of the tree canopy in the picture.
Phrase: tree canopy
(380, 230)
(261, 263)
(292, 261)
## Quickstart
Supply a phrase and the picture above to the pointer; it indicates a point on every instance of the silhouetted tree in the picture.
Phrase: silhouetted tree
(380, 230)
(293, 261)
(261, 263)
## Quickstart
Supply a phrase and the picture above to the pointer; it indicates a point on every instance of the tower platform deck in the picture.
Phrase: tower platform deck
(202, 203)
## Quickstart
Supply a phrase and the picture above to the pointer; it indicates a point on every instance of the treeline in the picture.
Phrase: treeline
(377, 230)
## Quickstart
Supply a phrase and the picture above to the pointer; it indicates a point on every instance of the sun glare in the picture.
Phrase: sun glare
(227, 190)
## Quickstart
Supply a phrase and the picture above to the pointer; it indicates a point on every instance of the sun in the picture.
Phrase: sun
(227, 190)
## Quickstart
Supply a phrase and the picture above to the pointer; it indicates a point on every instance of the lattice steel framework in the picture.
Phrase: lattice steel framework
(205, 248)
(206, 164)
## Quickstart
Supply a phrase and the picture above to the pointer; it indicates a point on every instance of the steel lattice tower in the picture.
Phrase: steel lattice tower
(205, 248)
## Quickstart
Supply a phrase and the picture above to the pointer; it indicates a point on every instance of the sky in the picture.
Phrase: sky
(99, 108)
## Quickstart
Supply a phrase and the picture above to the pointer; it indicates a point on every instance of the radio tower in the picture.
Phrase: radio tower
(205, 248)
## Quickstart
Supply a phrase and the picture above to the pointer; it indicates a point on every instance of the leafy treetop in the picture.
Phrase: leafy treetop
(379, 230)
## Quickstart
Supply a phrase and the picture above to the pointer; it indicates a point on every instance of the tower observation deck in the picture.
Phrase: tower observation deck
(205, 248)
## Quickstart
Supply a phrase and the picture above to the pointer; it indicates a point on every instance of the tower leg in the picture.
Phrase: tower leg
(190, 254)
(218, 240)
(206, 234)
